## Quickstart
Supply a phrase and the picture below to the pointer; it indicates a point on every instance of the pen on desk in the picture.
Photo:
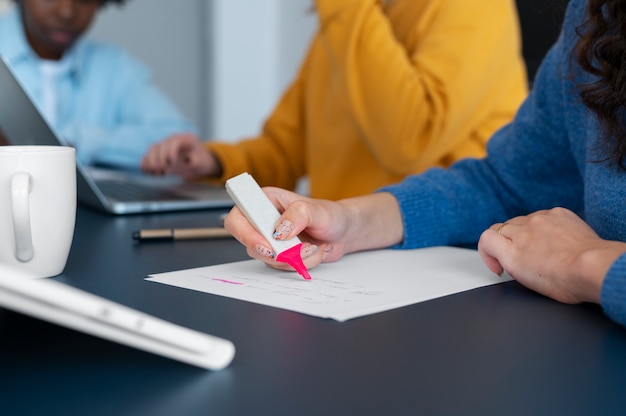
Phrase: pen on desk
(181, 234)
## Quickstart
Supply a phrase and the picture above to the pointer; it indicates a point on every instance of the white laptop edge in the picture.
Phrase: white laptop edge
(67, 306)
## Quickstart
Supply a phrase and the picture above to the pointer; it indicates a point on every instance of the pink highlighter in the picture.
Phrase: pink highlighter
(258, 209)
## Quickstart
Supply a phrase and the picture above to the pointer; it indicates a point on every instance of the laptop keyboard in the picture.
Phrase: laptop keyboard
(134, 192)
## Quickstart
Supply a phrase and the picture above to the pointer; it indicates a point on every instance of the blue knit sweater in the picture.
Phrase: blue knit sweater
(543, 159)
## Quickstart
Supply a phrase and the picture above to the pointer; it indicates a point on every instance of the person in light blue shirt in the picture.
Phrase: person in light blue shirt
(98, 97)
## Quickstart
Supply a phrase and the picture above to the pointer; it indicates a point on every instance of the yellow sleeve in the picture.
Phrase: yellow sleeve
(275, 157)
(415, 105)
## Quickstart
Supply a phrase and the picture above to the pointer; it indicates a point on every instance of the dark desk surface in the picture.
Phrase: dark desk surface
(500, 350)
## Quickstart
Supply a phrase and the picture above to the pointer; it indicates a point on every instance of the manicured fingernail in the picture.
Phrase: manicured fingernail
(327, 251)
(308, 251)
(283, 229)
(264, 251)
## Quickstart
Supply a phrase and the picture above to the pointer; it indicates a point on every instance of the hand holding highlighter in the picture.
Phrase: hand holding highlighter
(263, 215)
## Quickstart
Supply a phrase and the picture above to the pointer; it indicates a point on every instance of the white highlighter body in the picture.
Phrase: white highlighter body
(263, 215)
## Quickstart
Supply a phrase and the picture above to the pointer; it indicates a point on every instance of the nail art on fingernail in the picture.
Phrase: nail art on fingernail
(308, 251)
(327, 251)
(264, 251)
(283, 229)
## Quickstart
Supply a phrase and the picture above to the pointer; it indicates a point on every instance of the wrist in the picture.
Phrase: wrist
(213, 166)
(373, 221)
(592, 266)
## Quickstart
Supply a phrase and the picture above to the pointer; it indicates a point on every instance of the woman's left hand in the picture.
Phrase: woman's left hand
(553, 252)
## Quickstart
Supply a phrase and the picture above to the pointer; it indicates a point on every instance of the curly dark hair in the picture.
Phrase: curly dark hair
(601, 51)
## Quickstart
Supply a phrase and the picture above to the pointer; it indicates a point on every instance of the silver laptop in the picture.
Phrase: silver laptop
(113, 191)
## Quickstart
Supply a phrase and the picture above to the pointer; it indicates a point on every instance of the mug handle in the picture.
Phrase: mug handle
(21, 185)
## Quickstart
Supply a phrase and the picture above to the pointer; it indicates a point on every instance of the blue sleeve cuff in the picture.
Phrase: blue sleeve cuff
(613, 294)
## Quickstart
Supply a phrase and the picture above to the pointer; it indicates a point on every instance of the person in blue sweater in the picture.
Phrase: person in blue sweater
(98, 97)
(547, 204)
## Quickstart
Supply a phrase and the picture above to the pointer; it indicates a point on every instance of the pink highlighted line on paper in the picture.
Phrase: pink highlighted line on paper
(228, 281)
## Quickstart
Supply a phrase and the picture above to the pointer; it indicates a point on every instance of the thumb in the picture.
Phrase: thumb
(490, 247)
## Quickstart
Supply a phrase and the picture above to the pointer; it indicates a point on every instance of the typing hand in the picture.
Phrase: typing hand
(180, 154)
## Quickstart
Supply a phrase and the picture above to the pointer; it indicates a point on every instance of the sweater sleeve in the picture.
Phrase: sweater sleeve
(276, 156)
(613, 294)
(419, 92)
(531, 165)
(425, 97)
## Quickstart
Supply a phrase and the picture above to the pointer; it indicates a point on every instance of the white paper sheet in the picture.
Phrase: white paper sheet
(357, 285)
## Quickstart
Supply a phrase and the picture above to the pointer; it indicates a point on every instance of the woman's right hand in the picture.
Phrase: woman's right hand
(320, 225)
(327, 229)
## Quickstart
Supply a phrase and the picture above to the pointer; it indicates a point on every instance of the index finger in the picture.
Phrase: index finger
(238, 225)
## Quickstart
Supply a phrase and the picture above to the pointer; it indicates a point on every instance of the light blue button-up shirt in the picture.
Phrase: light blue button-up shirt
(107, 105)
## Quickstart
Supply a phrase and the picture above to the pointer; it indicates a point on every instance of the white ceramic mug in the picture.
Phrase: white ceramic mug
(37, 208)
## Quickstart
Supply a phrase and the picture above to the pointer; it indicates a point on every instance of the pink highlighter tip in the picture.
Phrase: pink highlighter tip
(292, 257)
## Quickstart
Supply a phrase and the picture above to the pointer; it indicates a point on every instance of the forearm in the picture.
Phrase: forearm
(375, 222)
(434, 94)
(360, 45)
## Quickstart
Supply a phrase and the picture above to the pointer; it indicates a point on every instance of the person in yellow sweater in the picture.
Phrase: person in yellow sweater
(387, 89)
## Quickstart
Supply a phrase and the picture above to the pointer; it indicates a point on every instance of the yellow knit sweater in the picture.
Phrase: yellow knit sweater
(388, 89)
